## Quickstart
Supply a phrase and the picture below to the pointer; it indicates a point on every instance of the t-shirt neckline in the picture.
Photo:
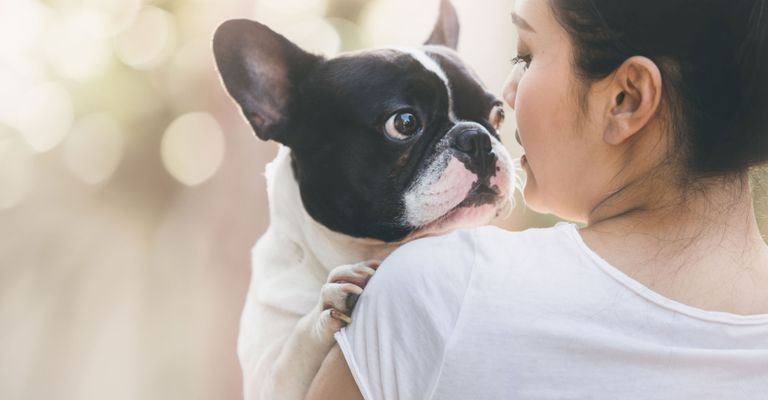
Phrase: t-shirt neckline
(654, 297)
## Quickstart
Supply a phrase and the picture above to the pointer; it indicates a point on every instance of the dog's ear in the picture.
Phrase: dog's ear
(262, 71)
(446, 32)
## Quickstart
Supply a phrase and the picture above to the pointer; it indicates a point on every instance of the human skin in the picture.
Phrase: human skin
(597, 153)
(607, 166)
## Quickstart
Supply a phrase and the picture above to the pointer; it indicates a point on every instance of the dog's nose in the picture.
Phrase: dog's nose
(473, 142)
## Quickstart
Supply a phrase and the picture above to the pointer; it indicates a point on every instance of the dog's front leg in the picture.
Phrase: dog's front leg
(303, 352)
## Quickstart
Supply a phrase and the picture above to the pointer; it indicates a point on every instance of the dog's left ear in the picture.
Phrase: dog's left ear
(446, 32)
(262, 71)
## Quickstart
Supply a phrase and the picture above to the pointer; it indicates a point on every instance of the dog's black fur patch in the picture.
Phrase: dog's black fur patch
(332, 113)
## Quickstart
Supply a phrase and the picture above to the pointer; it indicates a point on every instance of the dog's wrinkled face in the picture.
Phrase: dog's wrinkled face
(389, 144)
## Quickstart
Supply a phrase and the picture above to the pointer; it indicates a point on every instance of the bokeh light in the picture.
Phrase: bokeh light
(193, 148)
(294, 7)
(22, 24)
(191, 64)
(15, 79)
(148, 41)
(279, 15)
(44, 115)
(77, 44)
(394, 22)
(121, 12)
(93, 150)
(16, 169)
(315, 35)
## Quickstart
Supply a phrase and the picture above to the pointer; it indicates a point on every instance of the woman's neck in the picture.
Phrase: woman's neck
(719, 206)
(687, 245)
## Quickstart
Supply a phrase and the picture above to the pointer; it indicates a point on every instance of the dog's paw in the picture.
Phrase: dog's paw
(345, 284)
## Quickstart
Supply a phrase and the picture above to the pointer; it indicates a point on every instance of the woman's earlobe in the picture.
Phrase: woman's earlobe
(617, 131)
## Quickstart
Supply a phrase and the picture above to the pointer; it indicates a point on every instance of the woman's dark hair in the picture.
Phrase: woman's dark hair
(713, 56)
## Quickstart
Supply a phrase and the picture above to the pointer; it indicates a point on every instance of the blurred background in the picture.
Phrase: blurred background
(131, 190)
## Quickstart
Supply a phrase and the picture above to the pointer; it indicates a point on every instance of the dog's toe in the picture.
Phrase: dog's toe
(345, 284)
(354, 273)
(336, 295)
(330, 321)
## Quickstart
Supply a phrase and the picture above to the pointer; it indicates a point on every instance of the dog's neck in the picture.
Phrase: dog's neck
(288, 216)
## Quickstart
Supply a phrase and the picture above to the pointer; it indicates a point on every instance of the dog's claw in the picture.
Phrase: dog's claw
(335, 314)
(339, 295)
(352, 301)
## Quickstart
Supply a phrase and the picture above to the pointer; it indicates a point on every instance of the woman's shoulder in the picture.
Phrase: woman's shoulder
(491, 235)
(457, 245)
(556, 232)
(433, 260)
(558, 240)
(452, 257)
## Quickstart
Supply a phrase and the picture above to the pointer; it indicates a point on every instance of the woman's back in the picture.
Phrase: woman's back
(708, 253)
(537, 314)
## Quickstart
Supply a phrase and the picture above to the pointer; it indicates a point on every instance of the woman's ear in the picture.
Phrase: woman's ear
(636, 93)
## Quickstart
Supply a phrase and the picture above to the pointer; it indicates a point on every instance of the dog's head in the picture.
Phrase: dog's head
(389, 143)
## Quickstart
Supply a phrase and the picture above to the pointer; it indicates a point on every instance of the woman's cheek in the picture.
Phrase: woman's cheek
(534, 124)
(528, 113)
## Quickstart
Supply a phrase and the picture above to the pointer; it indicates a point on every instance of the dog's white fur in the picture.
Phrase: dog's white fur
(281, 344)
(285, 329)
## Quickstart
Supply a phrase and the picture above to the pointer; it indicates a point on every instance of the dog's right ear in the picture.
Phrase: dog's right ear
(446, 31)
(262, 71)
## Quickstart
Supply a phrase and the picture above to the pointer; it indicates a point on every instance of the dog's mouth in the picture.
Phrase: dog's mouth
(485, 192)
(478, 207)
(460, 198)
(480, 194)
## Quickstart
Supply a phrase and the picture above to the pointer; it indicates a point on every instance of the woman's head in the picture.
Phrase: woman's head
(615, 88)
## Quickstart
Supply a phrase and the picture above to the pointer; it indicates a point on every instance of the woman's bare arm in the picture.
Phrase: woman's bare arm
(334, 381)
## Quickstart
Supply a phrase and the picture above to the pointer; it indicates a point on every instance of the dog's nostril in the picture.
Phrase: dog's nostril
(473, 142)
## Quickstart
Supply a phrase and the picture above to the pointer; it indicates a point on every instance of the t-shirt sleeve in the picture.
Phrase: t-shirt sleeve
(402, 322)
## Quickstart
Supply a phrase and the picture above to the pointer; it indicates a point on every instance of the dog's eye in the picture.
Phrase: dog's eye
(402, 125)
(497, 116)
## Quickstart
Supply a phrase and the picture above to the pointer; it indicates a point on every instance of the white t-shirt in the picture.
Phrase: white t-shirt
(486, 313)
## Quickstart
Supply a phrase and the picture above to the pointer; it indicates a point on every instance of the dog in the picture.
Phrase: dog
(376, 148)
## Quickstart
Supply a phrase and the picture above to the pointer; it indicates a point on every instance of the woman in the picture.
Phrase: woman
(642, 119)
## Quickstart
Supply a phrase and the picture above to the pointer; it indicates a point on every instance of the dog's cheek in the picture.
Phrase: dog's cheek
(438, 191)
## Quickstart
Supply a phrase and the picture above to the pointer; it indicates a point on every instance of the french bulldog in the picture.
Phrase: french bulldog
(376, 148)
